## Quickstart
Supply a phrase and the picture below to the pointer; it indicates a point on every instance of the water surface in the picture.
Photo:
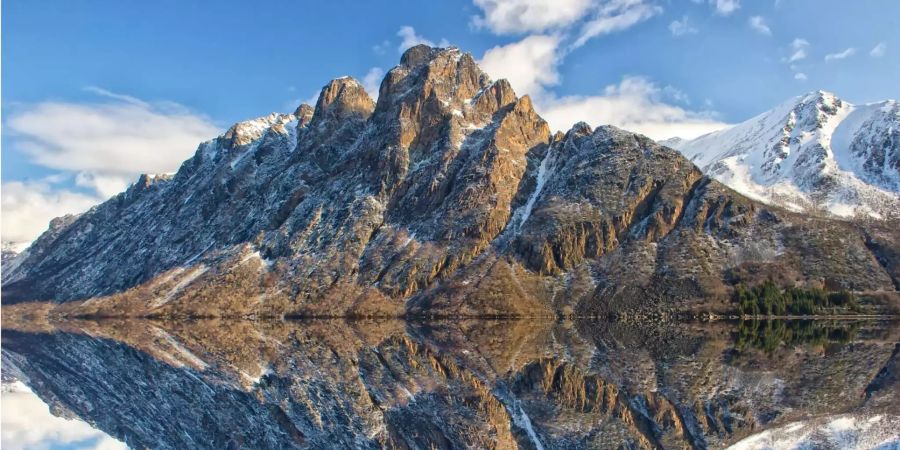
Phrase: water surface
(537, 384)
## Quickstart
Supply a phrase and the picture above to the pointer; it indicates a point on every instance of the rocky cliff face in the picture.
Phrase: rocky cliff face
(447, 196)
(814, 153)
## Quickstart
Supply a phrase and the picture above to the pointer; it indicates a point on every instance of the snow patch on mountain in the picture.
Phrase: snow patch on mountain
(814, 152)
(841, 431)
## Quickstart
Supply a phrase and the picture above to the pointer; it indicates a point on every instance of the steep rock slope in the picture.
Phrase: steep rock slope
(447, 196)
(815, 152)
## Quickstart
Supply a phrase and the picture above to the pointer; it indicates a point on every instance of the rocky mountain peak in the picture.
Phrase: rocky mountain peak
(814, 109)
(812, 152)
(447, 195)
(243, 133)
(343, 98)
(580, 129)
(446, 76)
(418, 55)
(304, 114)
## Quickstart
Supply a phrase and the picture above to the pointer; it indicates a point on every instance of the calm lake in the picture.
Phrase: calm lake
(504, 384)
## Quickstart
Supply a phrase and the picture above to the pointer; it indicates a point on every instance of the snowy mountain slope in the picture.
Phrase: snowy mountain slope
(448, 195)
(810, 153)
(845, 431)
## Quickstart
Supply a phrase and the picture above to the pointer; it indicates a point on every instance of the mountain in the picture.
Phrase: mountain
(447, 196)
(814, 152)
(7, 254)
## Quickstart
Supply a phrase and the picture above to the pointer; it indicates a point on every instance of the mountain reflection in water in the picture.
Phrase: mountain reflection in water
(464, 383)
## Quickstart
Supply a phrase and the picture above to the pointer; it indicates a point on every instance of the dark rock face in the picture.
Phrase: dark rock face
(447, 196)
(460, 384)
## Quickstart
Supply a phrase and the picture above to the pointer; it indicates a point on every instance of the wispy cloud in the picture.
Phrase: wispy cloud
(532, 67)
(635, 104)
(798, 50)
(120, 97)
(840, 55)
(800, 76)
(682, 27)
(879, 50)
(725, 7)
(759, 24)
(409, 38)
(529, 16)
(111, 142)
(372, 81)
(591, 18)
(613, 16)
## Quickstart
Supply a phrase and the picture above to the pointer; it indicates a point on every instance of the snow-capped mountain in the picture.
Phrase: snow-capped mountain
(8, 253)
(449, 195)
(814, 152)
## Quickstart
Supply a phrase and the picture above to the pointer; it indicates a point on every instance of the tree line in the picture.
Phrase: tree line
(769, 299)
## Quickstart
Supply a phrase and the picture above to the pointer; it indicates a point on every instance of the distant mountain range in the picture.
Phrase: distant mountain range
(451, 196)
(813, 153)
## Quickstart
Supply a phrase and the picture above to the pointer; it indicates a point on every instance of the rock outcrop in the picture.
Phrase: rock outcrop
(447, 196)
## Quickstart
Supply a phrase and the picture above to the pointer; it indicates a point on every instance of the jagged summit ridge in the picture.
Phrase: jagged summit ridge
(448, 195)
(814, 151)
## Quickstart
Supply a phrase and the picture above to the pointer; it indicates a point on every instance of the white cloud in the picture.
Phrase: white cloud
(615, 15)
(372, 81)
(725, 7)
(103, 146)
(759, 24)
(409, 38)
(106, 185)
(594, 17)
(635, 104)
(800, 76)
(798, 50)
(523, 16)
(29, 206)
(529, 64)
(28, 424)
(682, 27)
(879, 50)
(840, 55)
(109, 143)
(121, 97)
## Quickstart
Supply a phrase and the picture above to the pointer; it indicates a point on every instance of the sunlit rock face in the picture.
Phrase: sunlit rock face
(454, 384)
(447, 196)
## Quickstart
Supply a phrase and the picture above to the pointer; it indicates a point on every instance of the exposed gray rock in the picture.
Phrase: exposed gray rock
(447, 196)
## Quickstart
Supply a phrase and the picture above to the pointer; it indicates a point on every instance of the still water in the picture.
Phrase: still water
(533, 384)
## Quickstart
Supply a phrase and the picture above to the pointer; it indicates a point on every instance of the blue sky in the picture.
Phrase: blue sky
(96, 92)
